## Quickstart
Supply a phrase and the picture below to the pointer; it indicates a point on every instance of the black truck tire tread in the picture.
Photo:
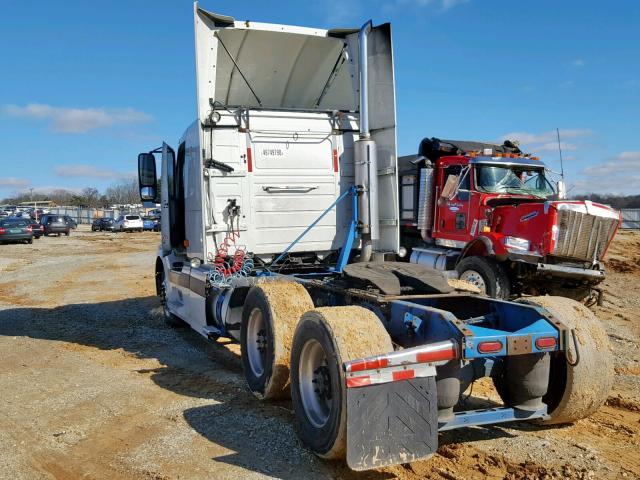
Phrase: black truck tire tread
(282, 304)
(495, 277)
(587, 384)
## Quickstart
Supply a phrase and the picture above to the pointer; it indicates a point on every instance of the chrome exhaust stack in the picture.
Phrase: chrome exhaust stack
(366, 161)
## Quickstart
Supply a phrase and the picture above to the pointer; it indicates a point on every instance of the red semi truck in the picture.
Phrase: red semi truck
(488, 214)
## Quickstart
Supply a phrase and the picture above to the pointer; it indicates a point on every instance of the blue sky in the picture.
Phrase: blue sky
(85, 86)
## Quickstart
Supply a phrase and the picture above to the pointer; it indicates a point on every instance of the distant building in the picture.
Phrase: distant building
(39, 204)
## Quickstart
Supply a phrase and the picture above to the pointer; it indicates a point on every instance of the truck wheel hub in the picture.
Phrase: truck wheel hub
(256, 342)
(322, 381)
(315, 383)
(474, 278)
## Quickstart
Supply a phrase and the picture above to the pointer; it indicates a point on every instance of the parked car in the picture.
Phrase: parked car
(55, 224)
(100, 224)
(129, 223)
(148, 223)
(37, 229)
(15, 230)
(72, 223)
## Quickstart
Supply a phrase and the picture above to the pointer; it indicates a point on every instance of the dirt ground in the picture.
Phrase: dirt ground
(94, 385)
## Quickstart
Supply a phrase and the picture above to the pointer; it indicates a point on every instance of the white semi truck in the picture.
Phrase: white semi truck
(280, 230)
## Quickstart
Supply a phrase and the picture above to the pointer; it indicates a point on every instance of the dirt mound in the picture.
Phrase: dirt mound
(624, 266)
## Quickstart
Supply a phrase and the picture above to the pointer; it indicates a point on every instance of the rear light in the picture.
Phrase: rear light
(29, 228)
(544, 343)
(493, 346)
(249, 160)
(3, 231)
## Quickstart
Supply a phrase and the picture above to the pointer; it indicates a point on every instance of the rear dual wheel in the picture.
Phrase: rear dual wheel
(270, 315)
(324, 339)
(580, 377)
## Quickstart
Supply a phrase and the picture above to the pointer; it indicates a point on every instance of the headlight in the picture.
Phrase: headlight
(515, 243)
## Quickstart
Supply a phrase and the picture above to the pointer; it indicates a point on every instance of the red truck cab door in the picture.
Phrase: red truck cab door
(453, 214)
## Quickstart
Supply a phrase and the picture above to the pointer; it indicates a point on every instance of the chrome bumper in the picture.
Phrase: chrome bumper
(570, 272)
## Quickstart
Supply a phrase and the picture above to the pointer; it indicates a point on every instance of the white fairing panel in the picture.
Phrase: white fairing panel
(287, 100)
(192, 175)
(168, 162)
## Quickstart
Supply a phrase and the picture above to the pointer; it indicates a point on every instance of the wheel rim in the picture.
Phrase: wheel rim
(315, 383)
(256, 342)
(474, 278)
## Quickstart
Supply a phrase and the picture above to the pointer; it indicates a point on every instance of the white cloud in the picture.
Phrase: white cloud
(447, 4)
(77, 120)
(85, 171)
(619, 175)
(13, 182)
(625, 162)
(548, 141)
(441, 4)
(578, 62)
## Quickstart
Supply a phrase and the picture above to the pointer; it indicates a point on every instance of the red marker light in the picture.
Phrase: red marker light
(490, 347)
(543, 343)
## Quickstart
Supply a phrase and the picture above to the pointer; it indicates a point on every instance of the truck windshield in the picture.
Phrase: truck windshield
(495, 179)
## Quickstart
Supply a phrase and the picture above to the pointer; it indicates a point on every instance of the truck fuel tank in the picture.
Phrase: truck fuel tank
(436, 258)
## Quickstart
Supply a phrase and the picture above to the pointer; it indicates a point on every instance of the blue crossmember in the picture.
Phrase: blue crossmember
(488, 416)
(539, 329)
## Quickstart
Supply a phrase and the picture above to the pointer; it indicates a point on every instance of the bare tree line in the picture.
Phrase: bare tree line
(121, 192)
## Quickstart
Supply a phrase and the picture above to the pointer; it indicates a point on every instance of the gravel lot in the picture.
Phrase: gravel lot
(94, 385)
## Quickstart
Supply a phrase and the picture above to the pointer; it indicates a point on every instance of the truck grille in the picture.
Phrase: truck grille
(582, 236)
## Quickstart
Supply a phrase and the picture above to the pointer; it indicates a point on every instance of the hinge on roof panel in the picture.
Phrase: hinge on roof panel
(387, 171)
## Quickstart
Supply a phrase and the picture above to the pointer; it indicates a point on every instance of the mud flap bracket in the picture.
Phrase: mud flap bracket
(391, 423)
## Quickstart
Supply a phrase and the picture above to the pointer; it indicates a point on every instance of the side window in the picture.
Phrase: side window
(456, 171)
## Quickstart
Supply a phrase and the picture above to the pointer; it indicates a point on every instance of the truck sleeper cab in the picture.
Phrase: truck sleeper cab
(280, 230)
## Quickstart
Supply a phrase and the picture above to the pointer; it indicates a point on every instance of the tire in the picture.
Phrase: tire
(170, 319)
(575, 391)
(269, 317)
(486, 274)
(327, 337)
(66, 234)
(30, 241)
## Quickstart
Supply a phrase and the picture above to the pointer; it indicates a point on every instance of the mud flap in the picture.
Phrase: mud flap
(391, 423)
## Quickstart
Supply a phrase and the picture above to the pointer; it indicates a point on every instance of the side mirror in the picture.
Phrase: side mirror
(147, 177)
(148, 194)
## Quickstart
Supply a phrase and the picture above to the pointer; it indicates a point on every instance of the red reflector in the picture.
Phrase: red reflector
(358, 381)
(368, 365)
(490, 347)
(436, 355)
(545, 342)
(403, 375)
(249, 160)
(335, 160)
